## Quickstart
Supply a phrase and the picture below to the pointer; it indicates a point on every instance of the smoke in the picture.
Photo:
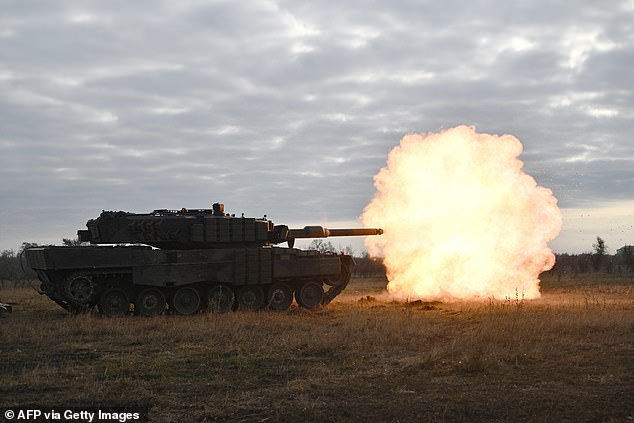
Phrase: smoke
(461, 218)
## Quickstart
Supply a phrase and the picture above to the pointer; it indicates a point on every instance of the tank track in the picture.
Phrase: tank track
(112, 294)
(337, 288)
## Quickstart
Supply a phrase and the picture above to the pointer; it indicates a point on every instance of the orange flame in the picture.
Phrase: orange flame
(461, 218)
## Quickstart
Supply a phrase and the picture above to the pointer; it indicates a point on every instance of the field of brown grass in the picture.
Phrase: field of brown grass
(566, 357)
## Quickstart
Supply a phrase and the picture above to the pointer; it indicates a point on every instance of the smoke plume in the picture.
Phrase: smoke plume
(461, 218)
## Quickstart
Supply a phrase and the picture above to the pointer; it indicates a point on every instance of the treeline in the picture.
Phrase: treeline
(588, 262)
(11, 272)
(365, 267)
(598, 260)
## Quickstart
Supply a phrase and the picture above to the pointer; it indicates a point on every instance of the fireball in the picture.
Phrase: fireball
(461, 219)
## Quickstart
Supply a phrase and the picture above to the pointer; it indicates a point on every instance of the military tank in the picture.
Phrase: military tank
(190, 260)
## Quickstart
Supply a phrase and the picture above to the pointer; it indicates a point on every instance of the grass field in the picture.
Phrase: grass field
(566, 357)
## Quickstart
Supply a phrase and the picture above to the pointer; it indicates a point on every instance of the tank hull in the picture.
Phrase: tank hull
(82, 277)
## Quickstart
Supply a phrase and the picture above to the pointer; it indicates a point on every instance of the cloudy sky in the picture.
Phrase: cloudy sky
(289, 108)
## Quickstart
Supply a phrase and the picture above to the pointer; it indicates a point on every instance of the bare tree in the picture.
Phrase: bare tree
(71, 242)
(600, 251)
(347, 250)
(322, 246)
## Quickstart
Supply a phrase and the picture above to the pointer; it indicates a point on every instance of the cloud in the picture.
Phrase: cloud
(290, 108)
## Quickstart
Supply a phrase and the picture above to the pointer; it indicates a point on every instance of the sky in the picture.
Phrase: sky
(289, 108)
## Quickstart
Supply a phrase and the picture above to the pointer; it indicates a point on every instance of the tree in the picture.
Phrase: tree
(600, 251)
(12, 270)
(369, 266)
(627, 257)
(347, 250)
(322, 246)
(71, 242)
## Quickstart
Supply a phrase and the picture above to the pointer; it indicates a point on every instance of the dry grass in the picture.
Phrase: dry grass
(566, 357)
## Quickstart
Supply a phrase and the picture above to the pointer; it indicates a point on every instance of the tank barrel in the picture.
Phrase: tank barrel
(355, 232)
(321, 232)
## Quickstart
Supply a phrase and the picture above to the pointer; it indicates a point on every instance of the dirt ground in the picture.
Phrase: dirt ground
(568, 357)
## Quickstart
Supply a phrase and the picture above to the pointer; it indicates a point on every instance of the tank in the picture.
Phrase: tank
(190, 260)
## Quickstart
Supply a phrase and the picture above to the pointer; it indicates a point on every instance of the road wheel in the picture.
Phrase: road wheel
(250, 297)
(150, 302)
(114, 302)
(280, 297)
(220, 299)
(186, 300)
(310, 295)
(80, 291)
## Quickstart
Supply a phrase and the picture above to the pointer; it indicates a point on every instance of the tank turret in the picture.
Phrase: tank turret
(200, 229)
